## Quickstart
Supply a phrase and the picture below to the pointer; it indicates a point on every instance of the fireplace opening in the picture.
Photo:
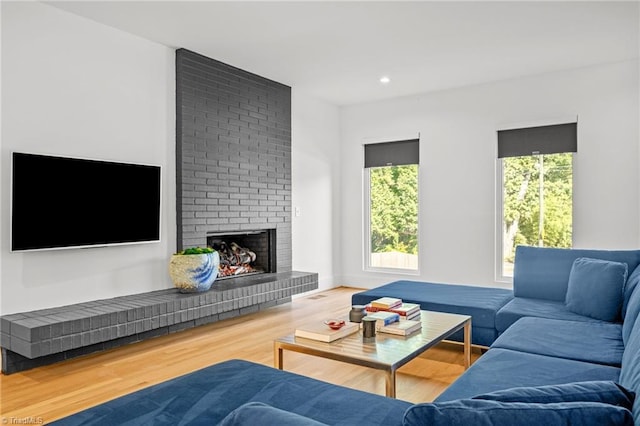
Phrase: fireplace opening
(244, 252)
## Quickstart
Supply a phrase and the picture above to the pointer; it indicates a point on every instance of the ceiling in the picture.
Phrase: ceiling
(338, 50)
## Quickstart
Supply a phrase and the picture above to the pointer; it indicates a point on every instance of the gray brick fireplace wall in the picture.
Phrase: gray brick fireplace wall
(233, 153)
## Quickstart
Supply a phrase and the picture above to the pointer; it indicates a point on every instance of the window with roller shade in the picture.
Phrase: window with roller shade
(536, 179)
(391, 200)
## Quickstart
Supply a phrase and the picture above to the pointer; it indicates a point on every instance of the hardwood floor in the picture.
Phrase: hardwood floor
(48, 393)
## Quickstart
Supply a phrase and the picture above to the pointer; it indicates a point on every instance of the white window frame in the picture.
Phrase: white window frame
(367, 230)
(499, 272)
(499, 214)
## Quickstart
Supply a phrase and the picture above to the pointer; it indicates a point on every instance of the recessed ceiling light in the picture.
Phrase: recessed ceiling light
(385, 80)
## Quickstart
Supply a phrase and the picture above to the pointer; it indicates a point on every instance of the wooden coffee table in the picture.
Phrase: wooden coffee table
(386, 352)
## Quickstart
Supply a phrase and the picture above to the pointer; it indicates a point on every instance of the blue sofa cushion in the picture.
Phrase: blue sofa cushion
(630, 373)
(629, 287)
(524, 307)
(328, 403)
(500, 369)
(596, 288)
(485, 413)
(606, 392)
(632, 314)
(599, 342)
(256, 413)
(543, 272)
(208, 395)
(481, 303)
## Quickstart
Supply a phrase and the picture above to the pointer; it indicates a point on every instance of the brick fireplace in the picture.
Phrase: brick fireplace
(233, 153)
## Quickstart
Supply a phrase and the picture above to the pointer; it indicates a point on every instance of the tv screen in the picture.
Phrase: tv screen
(62, 202)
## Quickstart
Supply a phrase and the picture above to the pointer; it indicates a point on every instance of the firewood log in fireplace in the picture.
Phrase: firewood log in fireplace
(234, 260)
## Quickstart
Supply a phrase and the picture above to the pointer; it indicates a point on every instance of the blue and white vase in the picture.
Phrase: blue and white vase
(192, 273)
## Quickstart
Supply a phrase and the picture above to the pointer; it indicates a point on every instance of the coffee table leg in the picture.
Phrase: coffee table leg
(467, 344)
(390, 383)
(278, 356)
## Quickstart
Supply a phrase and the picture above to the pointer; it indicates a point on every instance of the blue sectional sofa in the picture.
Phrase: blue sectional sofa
(565, 350)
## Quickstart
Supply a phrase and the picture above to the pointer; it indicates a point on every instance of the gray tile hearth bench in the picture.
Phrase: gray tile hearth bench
(45, 336)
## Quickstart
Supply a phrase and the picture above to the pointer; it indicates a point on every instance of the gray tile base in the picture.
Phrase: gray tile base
(41, 337)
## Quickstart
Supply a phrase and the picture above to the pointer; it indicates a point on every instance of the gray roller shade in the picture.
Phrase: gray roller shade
(398, 153)
(538, 140)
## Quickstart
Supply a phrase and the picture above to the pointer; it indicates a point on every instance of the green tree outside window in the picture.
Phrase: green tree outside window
(394, 210)
(537, 203)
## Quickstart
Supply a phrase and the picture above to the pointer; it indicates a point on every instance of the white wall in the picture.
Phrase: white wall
(458, 166)
(73, 87)
(315, 187)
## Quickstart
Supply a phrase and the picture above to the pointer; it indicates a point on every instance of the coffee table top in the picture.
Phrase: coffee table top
(386, 351)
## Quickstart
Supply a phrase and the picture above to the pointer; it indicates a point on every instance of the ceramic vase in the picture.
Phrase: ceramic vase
(192, 273)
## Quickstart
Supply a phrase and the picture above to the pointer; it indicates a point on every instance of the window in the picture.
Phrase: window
(536, 179)
(391, 188)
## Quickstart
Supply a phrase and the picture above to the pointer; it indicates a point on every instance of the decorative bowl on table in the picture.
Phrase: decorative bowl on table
(335, 324)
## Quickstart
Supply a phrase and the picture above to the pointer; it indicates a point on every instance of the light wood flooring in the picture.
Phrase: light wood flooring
(48, 393)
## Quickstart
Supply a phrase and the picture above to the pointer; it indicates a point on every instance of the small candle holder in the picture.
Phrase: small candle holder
(368, 328)
(357, 313)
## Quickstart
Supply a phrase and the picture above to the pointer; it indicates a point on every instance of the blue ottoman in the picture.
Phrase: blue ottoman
(481, 303)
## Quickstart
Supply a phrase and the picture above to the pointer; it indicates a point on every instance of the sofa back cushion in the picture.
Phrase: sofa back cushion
(484, 413)
(631, 316)
(630, 370)
(596, 287)
(543, 272)
(604, 391)
(629, 288)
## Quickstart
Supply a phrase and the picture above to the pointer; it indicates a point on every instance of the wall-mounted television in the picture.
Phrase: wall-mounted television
(63, 202)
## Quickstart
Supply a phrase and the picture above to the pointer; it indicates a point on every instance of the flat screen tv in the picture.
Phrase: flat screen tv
(63, 202)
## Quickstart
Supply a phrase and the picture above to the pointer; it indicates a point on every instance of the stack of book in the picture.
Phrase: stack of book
(407, 311)
(394, 316)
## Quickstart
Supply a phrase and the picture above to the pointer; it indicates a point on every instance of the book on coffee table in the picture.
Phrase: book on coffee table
(318, 330)
(383, 318)
(403, 327)
(414, 316)
(404, 310)
(386, 302)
